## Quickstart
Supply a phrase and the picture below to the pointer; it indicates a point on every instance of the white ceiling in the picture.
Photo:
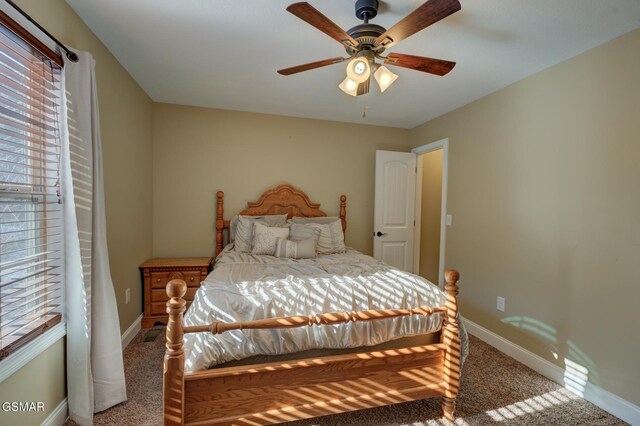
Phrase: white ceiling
(225, 53)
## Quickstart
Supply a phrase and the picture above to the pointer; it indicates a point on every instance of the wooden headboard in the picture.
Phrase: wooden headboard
(279, 200)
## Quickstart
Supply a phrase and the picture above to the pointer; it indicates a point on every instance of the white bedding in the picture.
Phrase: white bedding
(245, 287)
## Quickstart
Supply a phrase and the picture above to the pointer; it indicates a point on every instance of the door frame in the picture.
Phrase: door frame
(444, 145)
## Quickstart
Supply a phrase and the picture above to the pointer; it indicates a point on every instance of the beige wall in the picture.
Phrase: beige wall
(43, 380)
(199, 151)
(125, 121)
(544, 181)
(431, 212)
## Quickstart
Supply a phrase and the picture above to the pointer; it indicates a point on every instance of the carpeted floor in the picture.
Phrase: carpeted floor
(495, 389)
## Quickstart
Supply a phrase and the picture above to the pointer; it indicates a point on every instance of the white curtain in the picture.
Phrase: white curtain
(95, 372)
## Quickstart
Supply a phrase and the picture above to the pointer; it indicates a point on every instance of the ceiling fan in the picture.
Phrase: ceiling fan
(366, 42)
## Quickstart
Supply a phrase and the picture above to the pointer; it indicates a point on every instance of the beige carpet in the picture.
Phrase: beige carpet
(495, 389)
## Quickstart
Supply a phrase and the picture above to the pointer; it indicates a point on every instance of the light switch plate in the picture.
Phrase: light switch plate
(449, 220)
(127, 296)
(500, 304)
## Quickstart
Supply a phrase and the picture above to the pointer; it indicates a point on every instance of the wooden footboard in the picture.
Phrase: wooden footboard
(285, 391)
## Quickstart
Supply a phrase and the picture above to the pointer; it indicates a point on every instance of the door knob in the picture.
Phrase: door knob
(380, 234)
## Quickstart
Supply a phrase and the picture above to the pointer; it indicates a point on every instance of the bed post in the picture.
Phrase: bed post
(219, 222)
(173, 375)
(343, 212)
(451, 339)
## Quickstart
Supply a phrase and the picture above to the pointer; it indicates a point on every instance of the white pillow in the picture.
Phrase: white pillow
(330, 240)
(265, 238)
(233, 226)
(304, 249)
(244, 229)
(303, 231)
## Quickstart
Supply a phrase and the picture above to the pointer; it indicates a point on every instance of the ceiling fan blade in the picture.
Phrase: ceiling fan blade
(311, 66)
(427, 14)
(420, 63)
(312, 16)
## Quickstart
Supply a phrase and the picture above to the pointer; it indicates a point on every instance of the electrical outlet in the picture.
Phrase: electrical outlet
(500, 304)
(449, 220)
(127, 296)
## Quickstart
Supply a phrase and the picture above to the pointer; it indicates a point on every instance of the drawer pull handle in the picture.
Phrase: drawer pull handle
(158, 280)
(191, 278)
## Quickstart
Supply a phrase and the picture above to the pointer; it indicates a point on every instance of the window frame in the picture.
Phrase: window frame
(49, 331)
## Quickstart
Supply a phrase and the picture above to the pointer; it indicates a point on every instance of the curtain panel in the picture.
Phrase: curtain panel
(95, 372)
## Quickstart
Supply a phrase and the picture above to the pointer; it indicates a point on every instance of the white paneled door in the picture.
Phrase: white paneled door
(394, 211)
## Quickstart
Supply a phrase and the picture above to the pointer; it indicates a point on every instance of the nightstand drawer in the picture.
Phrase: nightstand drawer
(160, 279)
(160, 295)
(160, 308)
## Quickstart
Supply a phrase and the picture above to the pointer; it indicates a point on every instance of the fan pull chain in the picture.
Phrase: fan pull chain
(366, 106)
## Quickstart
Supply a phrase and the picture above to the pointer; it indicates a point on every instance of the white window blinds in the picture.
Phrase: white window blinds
(30, 206)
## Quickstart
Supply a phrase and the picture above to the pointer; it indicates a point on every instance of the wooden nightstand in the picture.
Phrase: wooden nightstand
(156, 273)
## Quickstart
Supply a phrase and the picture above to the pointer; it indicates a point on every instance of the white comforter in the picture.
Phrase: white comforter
(245, 287)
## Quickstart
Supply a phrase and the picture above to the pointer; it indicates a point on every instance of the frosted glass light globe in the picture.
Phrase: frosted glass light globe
(358, 69)
(384, 77)
(349, 87)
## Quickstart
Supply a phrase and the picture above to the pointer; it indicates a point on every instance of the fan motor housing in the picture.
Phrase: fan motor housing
(366, 9)
(366, 35)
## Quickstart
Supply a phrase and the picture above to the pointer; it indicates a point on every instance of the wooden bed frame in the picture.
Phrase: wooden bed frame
(277, 392)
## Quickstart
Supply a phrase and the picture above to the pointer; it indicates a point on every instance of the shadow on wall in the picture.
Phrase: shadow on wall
(579, 368)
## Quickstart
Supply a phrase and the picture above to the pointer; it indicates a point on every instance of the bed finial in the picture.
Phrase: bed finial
(219, 221)
(173, 382)
(343, 212)
(451, 339)
(452, 276)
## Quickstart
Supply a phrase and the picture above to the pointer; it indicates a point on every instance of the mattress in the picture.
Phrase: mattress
(244, 287)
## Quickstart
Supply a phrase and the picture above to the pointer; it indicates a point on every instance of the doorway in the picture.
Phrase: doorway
(394, 209)
(431, 211)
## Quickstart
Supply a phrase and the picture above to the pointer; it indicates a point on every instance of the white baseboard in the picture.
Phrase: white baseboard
(131, 332)
(604, 399)
(58, 416)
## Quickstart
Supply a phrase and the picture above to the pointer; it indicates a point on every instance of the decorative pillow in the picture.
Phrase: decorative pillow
(244, 231)
(330, 235)
(331, 238)
(305, 249)
(265, 238)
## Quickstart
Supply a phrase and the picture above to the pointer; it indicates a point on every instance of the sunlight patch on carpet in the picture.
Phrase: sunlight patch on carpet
(531, 405)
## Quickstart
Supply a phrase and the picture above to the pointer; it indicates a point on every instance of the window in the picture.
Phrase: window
(31, 244)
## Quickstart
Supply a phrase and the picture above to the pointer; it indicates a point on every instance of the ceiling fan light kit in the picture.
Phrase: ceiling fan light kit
(364, 43)
(384, 77)
(349, 87)
(358, 69)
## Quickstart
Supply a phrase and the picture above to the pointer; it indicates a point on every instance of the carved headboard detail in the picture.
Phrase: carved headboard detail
(279, 200)
(283, 199)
